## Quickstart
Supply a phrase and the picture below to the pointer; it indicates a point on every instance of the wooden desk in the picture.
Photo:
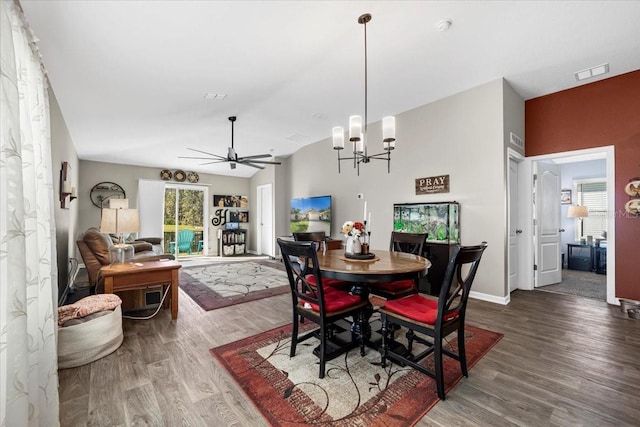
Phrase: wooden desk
(125, 277)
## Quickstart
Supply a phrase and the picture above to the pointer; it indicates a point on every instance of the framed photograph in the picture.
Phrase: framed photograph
(565, 196)
(223, 201)
(243, 216)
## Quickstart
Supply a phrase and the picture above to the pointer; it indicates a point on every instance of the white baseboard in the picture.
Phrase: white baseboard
(490, 298)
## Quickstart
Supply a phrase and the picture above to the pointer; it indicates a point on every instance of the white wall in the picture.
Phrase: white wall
(463, 136)
(66, 220)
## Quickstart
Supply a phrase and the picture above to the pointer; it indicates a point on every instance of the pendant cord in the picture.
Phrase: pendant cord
(364, 135)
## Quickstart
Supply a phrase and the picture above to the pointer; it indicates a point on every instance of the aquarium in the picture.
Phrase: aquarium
(440, 220)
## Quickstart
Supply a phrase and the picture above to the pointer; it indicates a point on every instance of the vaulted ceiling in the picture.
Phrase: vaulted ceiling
(131, 77)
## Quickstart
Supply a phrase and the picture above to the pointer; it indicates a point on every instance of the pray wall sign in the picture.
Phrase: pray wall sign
(432, 184)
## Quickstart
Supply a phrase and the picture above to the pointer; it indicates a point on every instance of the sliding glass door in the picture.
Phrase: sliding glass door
(185, 213)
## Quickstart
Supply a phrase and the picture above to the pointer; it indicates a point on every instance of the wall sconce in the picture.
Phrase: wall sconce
(67, 191)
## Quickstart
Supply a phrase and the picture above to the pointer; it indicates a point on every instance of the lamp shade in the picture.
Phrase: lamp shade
(338, 138)
(389, 130)
(120, 221)
(578, 212)
(119, 203)
(355, 128)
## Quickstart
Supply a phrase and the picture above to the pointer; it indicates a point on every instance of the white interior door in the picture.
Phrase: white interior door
(514, 231)
(265, 220)
(548, 268)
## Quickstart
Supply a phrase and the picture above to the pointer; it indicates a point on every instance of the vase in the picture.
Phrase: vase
(353, 245)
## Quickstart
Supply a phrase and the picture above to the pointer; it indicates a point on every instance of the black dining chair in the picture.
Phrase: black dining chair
(320, 238)
(434, 318)
(411, 243)
(323, 305)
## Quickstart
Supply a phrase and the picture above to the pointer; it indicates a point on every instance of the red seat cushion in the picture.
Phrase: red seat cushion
(398, 285)
(419, 308)
(335, 300)
(311, 279)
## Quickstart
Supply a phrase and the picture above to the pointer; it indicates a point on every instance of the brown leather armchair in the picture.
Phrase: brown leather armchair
(94, 249)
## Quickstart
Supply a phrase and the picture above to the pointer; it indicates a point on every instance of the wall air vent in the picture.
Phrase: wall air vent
(516, 140)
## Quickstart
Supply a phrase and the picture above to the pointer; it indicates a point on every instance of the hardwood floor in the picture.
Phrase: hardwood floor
(563, 361)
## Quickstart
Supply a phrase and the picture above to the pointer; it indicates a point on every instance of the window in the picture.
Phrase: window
(592, 193)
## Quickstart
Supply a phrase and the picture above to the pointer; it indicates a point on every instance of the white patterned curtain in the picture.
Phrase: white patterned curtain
(28, 276)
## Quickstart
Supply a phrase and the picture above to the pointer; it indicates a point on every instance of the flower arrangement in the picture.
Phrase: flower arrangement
(352, 228)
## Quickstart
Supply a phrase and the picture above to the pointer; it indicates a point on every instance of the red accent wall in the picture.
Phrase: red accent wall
(603, 113)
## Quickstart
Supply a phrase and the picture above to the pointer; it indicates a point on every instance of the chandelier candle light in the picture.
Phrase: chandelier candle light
(358, 129)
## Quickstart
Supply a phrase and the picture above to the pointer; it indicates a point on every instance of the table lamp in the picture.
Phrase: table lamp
(578, 212)
(119, 219)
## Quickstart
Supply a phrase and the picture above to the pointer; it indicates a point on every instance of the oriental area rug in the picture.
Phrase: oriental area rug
(215, 286)
(356, 391)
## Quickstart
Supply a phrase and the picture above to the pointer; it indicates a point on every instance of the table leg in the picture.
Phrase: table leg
(362, 290)
(174, 293)
(108, 285)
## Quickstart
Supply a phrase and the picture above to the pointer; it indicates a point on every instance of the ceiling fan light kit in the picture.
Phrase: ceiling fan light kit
(232, 157)
(358, 128)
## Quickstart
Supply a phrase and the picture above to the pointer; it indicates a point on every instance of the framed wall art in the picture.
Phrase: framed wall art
(565, 196)
(230, 201)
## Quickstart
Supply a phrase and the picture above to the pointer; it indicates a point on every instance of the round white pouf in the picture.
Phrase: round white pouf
(91, 340)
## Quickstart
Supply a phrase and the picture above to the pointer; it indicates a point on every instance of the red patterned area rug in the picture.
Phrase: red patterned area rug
(215, 286)
(356, 391)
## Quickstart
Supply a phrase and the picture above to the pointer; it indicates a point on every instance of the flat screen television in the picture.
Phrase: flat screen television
(311, 214)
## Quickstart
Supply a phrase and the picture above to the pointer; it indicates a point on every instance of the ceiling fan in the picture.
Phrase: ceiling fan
(232, 156)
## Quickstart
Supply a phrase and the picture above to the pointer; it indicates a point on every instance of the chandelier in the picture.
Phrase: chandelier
(358, 128)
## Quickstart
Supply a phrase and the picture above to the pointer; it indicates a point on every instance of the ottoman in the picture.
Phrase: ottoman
(88, 330)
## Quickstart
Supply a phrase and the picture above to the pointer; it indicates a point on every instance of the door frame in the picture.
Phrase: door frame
(525, 181)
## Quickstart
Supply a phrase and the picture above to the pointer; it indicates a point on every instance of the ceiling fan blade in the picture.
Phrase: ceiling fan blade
(253, 165)
(257, 156)
(213, 162)
(204, 152)
(262, 162)
(197, 158)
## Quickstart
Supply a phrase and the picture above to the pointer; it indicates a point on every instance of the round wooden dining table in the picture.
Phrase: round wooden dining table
(386, 266)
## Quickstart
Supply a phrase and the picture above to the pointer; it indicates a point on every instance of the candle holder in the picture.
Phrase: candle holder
(67, 191)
